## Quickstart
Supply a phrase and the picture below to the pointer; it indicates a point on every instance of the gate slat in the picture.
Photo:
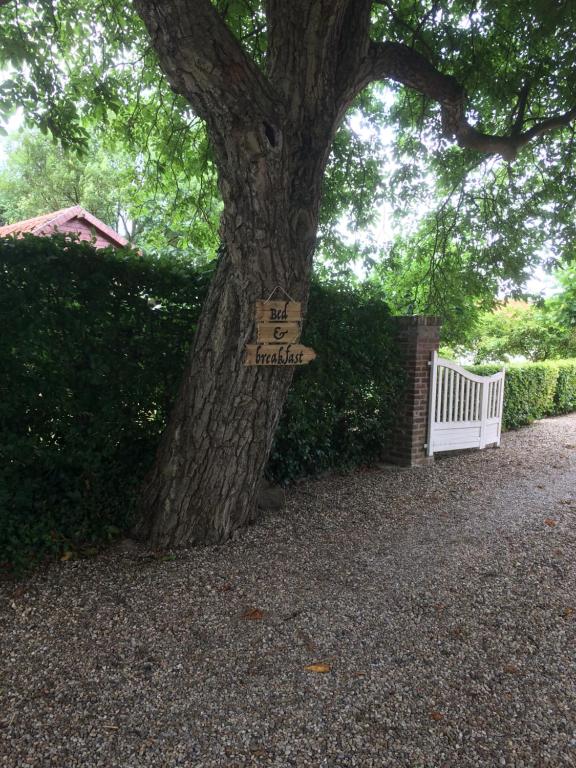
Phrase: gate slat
(445, 393)
(450, 394)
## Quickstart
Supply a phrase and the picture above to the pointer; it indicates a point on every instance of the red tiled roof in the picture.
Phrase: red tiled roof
(29, 225)
(50, 222)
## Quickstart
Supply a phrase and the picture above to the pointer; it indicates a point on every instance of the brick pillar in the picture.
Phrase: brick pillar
(418, 336)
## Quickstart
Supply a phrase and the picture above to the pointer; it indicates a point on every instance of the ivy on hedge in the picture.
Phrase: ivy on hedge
(92, 348)
(535, 390)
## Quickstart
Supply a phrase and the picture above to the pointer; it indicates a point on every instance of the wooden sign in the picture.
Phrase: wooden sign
(278, 311)
(278, 333)
(278, 354)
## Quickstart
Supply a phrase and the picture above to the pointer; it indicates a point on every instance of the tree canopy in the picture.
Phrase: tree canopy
(118, 186)
(473, 70)
(516, 329)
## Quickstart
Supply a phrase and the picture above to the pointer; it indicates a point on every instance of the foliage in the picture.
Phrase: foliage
(563, 305)
(535, 390)
(340, 409)
(565, 395)
(91, 354)
(40, 176)
(485, 223)
(79, 69)
(92, 347)
(518, 328)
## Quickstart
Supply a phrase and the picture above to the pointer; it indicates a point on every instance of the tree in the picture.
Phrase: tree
(272, 82)
(562, 307)
(133, 196)
(39, 176)
(519, 328)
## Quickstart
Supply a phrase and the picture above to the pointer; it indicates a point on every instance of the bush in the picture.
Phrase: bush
(92, 348)
(535, 390)
(339, 411)
(565, 395)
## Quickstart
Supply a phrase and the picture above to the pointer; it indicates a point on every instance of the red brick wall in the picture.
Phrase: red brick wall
(418, 337)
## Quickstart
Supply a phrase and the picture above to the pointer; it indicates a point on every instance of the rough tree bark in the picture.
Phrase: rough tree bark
(271, 133)
(272, 138)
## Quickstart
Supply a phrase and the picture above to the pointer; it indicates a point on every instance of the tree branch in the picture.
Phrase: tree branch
(521, 111)
(309, 41)
(204, 62)
(398, 62)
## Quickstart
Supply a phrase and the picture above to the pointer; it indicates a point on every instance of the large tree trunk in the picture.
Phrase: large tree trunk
(271, 134)
(212, 456)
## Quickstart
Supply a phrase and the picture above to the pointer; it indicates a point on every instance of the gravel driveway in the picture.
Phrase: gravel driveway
(442, 600)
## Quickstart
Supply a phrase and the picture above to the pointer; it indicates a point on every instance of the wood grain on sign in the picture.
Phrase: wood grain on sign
(278, 311)
(278, 354)
(278, 333)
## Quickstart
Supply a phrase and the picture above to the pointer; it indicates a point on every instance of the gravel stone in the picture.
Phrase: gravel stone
(442, 598)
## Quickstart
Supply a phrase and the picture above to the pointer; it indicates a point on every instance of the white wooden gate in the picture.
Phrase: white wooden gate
(465, 410)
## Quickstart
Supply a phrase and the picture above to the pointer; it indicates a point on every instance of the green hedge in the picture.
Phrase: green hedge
(565, 395)
(535, 390)
(91, 352)
(89, 347)
(340, 408)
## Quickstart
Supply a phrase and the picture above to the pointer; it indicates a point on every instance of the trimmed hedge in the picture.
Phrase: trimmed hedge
(92, 348)
(565, 395)
(535, 390)
(340, 408)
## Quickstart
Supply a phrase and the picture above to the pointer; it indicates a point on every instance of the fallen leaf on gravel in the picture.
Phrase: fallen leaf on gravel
(320, 667)
(510, 669)
(225, 587)
(436, 715)
(253, 614)
(567, 612)
(558, 552)
(68, 555)
(549, 521)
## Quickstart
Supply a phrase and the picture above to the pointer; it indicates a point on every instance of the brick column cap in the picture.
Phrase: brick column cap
(407, 321)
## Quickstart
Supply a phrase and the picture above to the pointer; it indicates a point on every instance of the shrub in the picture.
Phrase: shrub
(92, 348)
(90, 353)
(565, 395)
(339, 411)
(535, 390)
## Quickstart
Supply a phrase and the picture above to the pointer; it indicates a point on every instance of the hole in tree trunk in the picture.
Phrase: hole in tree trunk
(270, 134)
